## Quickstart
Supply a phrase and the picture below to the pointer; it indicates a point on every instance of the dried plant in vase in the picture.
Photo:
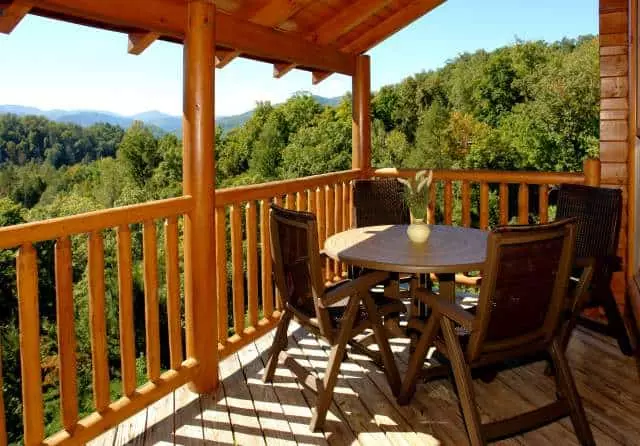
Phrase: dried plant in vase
(416, 198)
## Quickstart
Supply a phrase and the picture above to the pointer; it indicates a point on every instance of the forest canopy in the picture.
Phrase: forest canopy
(527, 106)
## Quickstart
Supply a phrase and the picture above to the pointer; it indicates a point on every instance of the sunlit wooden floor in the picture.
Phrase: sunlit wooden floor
(247, 412)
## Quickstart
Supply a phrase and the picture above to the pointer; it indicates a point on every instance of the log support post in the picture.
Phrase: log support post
(592, 173)
(361, 124)
(199, 182)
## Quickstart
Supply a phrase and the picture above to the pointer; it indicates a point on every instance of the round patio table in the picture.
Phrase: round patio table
(447, 251)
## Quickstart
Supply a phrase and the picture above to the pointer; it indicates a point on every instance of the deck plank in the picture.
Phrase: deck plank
(215, 418)
(289, 394)
(274, 425)
(188, 422)
(242, 412)
(245, 411)
(132, 431)
(355, 412)
(160, 422)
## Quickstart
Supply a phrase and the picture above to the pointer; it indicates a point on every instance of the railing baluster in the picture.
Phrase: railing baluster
(3, 419)
(173, 290)
(329, 228)
(29, 320)
(431, 205)
(543, 203)
(504, 203)
(238, 273)
(448, 202)
(265, 259)
(523, 204)
(290, 202)
(65, 317)
(466, 204)
(301, 201)
(484, 205)
(151, 308)
(98, 324)
(337, 225)
(320, 214)
(221, 274)
(311, 203)
(252, 263)
(346, 224)
(278, 201)
(125, 313)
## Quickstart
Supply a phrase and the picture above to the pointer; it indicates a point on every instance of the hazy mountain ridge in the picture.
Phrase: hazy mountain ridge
(163, 121)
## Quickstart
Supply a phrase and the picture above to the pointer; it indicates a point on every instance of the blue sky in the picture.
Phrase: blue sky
(49, 64)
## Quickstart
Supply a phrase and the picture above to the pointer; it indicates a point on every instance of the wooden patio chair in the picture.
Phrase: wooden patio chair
(380, 202)
(337, 313)
(598, 216)
(522, 296)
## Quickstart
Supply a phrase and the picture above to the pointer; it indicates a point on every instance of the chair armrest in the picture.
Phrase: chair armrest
(360, 285)
(448, 309)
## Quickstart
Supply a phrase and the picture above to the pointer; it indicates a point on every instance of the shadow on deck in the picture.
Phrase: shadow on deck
(247, 412)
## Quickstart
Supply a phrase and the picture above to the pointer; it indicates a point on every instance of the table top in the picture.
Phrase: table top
(449, 249)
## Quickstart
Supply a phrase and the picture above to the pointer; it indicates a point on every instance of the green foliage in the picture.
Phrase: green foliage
(531, 105)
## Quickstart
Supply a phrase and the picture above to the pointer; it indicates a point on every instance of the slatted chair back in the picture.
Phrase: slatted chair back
(379, 202)
(524, 288)
(296, 264)
(598, 213)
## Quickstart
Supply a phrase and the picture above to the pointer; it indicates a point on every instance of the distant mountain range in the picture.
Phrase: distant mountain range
(164, 122)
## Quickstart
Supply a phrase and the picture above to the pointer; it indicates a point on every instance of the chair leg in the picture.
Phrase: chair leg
(279, 343)
(416, 361)
(319, 413)
(390, 367)
(616, 323)
(464, 383)
(567, 387)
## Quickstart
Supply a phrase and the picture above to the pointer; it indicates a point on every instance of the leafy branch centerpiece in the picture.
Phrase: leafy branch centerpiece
(416, 198)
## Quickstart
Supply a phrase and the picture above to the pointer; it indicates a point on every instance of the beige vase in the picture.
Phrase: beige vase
(418, 231)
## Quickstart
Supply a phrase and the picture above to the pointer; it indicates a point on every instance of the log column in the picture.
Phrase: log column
(199, 182)
(361, 123)
(615, 147)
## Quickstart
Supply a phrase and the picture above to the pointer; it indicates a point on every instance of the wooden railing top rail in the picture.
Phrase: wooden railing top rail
(273, 188)
(12, 236)
(489, 176)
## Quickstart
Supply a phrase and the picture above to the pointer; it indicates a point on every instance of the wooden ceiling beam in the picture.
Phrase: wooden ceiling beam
(391, 25)
(12, 14)
(138, 42)
(340, 24)
(280, 69)
(272, 14)
(168, 18)
(223, 58)
(347, 19)
(319, 76)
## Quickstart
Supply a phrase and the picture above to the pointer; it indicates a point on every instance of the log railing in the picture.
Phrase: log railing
(247, 302)
(471, 193)
(92, 229)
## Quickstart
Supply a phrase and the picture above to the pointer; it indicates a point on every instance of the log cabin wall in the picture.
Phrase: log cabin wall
(616, 144)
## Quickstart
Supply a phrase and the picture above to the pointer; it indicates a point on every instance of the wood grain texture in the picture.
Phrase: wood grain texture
(221, 274)
(387, 248)
(172, 259)
(252, 263)
(98, 323)
(265, 260)
(65, 318)
(151, 304)
(125, 313)
(29, 323)
(237, 262)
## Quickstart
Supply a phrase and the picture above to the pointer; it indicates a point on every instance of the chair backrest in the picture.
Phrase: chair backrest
(379, 202)
(524, 286)
(296, 262)
(598, 212)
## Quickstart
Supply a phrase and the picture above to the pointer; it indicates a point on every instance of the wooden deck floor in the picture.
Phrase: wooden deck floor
(247, 412)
